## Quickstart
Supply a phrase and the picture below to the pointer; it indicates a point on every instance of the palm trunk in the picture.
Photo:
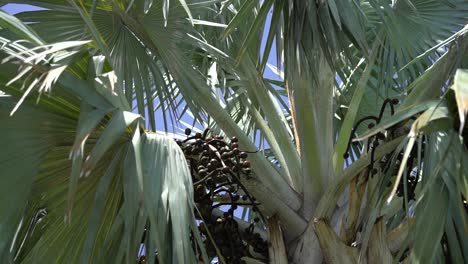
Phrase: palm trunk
(305, 248)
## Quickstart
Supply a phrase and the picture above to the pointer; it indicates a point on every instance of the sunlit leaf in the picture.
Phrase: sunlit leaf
(460, 86)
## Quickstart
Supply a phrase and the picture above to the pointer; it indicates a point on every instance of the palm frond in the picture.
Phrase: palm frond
(114, 170)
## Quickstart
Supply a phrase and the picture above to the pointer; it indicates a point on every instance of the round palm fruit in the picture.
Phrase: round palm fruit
(211, 167)
(188, 131)
(381, 136)
(205, 160)
(246, 164)
(243, 155)
(214, 162)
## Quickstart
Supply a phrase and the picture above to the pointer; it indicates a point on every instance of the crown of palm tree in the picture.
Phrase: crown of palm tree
(81, 178)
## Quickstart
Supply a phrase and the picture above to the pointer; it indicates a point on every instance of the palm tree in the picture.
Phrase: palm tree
(358, 151)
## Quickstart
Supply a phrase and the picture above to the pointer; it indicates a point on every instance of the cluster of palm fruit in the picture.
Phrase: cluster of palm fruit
(217, 166)
(412, 177)
(406, 186)
(374, 141)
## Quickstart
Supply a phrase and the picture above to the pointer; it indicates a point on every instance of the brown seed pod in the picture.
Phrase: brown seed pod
(202, 173)
(212, 166)
(214, 162)
(381, 136)
(204, 160)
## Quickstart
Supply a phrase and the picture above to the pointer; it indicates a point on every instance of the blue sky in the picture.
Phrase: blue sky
(16, 8)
